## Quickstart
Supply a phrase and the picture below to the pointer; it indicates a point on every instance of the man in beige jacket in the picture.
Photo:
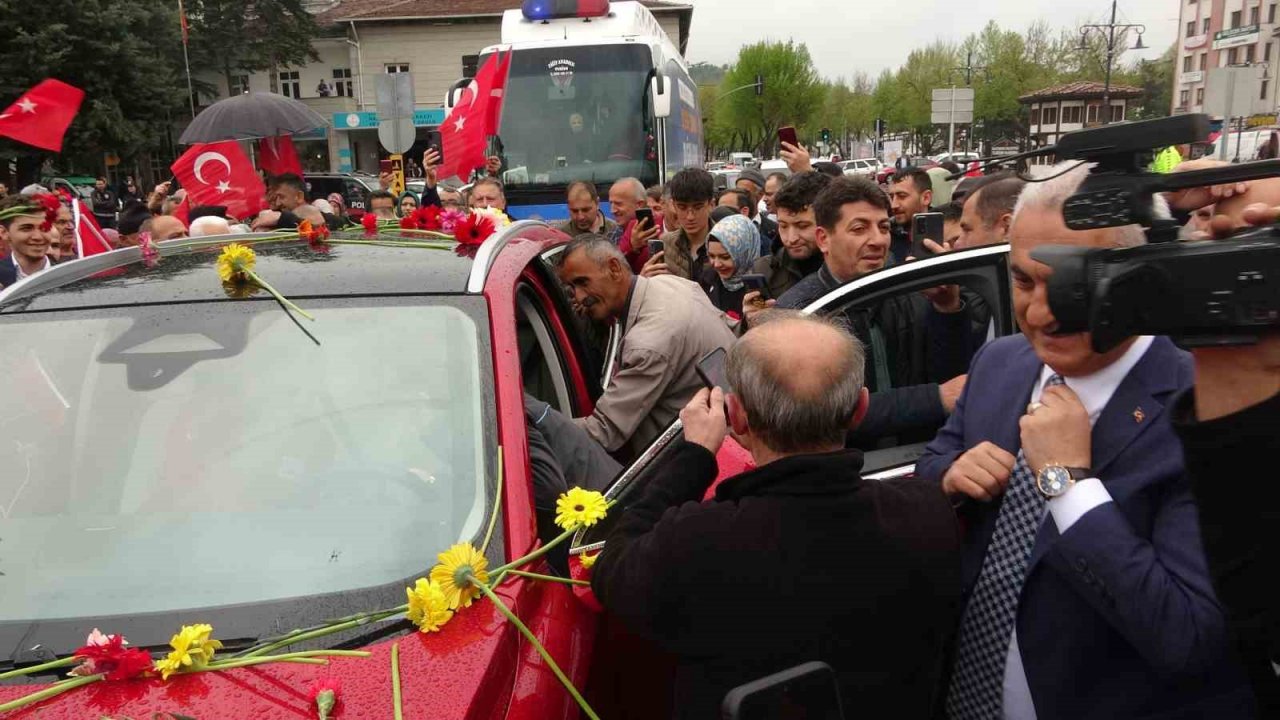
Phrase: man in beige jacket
(667, 324)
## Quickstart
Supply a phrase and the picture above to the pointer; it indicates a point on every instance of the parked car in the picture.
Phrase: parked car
(355, 189)
(81, 185)
(959, 158)
(194, 458)
(866, 167)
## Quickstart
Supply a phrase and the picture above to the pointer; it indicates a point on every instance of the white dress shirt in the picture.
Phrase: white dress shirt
(1095, 392)
(13, 257)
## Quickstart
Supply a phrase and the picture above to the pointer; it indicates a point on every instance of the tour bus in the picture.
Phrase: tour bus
(596, 92)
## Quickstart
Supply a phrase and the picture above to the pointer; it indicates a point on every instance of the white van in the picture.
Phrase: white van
(1249, 142)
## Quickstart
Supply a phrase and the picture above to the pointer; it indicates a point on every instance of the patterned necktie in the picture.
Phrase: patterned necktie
(977, 680)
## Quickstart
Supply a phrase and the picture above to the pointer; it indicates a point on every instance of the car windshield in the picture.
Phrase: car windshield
(576, 113)
(191, 456)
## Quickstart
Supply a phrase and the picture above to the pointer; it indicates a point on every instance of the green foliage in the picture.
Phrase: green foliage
(793, 93)
(125, 54)
(704, 73)
(232, 36)
(1156, 80)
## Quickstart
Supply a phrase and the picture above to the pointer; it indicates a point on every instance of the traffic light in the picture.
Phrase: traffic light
(879, 126)
(759, 85)
(826, 136)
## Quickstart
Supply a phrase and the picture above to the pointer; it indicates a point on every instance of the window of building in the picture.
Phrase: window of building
(1271, 13)
(1117, 113)
(1233, 56)
(397, 67)
(1183, 98)
(1263, 95)
(1235, 18)
(1050, 116)
(1266, 53)
(1199, 96)
(1072, 114)
(290, 84)
(470, 65)
(1035, 116)
(1091, 114)
(1191, 28)
(1248, 53)
(1186, 64)
(1204, 59)
(342, 82)
(1253, 15)
(239, 84)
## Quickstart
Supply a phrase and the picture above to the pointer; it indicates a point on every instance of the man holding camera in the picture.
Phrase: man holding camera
(1088, 591)
(798, 560)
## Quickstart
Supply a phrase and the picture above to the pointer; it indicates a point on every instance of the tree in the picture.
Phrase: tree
(1156, 79)
(704, 73)
(125, 55)
(250, 35)
(792, 91)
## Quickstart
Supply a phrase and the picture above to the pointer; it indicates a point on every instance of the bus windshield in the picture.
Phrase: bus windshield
(577, 113)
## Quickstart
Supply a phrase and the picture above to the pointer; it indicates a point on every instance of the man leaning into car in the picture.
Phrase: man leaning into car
(667, 325)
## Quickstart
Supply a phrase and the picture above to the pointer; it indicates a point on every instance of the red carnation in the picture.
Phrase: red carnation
(113, 659)
(324, 694)
(51, 204)
(314, 235)
(370, 223)
(409, 222)
(475, 229)
(428, 217)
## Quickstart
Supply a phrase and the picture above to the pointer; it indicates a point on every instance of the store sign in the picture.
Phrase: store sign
(365, 120)
(428, 118)
(1193, 77)
(1235, 37)
(1260, 120)
(1195, 41)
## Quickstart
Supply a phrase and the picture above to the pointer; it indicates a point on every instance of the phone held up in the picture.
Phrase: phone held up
(925, 226)
(712, 371)
(787, 134)
(644, 215)
(756, 282)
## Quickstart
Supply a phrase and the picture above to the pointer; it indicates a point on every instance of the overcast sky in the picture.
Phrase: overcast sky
(849, 35)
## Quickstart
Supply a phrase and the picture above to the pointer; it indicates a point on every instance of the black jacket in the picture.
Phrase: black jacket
(104, 202)
(782, 272)
(1239, 503)
(8, 271)
(799, 560)
(724, 299)
(769, 240)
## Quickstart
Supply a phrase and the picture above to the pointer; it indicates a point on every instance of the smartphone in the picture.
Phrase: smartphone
(643, 214)
(787, 134)
(439, 154)
(806, 691)
(655, 247)
(711, 369)
(925, 226)
(758, 282)
(384, 166)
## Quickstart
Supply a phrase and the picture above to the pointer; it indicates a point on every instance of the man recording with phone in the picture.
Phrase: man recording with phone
(798, 560)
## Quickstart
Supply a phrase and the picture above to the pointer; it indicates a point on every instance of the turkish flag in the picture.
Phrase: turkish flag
(89, 233)
(42, 115)
(474, 118)
(221, 174)
(277, 156)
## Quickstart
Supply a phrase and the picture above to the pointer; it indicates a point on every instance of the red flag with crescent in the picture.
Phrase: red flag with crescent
(277, 156)
(221, 174)
(42, 115)
(474, 118)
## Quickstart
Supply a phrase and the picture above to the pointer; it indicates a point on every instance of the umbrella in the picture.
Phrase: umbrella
(250, 116)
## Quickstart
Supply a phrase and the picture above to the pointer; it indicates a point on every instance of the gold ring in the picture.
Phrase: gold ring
(1033, 407)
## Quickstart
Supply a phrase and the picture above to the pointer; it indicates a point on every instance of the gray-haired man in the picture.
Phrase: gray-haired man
(798, 560)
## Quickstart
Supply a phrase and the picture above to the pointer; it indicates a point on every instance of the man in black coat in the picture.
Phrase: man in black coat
(798, 560)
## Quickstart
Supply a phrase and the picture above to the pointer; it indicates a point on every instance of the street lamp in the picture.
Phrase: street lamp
(1108, 33)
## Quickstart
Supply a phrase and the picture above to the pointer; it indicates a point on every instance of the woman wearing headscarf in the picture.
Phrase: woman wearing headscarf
(732, 248)
(339, 205)
(406, 204)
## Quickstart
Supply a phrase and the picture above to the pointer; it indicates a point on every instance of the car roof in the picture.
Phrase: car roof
(187, 274)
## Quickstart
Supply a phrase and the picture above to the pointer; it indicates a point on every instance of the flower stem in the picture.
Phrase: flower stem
(548, 578)
(283, 300)
(51, 665)
(533, 640)
(397, 707)
(497, 503)
(325, 631)
(537, 553)
(309, 657)
(52, 691)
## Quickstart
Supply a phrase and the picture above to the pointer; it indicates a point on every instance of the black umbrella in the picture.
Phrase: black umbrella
(250, 116)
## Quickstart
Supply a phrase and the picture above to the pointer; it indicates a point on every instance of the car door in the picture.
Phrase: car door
(982, 275)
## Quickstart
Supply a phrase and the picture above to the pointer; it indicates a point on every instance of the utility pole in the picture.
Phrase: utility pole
(1108, 33)
(968, 69)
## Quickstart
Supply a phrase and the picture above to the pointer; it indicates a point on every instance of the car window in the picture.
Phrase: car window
(913, 347)
(594, 344)
(541, 367)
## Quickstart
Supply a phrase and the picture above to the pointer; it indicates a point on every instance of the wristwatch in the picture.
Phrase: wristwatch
(1054, 480)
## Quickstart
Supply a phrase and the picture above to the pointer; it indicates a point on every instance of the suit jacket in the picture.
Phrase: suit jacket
(795, 561)
(8, 271)
(769, 240)
(1117, 617)
(670, 325)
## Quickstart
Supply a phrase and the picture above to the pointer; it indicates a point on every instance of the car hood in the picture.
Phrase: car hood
(463, 671)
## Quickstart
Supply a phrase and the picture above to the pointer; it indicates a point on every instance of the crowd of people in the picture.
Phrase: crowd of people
(1046, 560)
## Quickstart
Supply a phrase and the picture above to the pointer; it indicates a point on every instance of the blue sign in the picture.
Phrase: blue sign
(368, 120)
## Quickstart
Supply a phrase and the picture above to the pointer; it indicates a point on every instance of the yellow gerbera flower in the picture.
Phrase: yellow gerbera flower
(580, 508)
(193, 646)
(588, 560)
(452, 574)
(428, 608)
(235, 260)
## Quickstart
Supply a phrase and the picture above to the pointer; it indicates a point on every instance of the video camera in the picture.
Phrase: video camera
(1223, 292)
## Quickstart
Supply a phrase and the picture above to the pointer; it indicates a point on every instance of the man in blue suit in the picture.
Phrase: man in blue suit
(1087, 591)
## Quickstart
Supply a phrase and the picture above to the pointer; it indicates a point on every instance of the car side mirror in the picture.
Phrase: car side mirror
(660, 91)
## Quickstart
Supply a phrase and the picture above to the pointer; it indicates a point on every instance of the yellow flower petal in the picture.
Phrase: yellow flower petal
(235, 261)
(450, 575)
(580, 508)
(428, 607)
(588, 560)
(193, 646)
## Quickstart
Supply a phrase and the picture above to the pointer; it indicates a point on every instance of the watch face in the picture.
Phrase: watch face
(1053, 480)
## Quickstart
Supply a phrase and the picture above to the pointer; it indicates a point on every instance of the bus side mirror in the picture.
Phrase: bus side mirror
(660, 91)
(454, 94)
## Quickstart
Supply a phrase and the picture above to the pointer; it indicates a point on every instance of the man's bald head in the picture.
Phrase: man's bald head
(797, 401)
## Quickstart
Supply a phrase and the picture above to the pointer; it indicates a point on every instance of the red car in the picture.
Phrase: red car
(174, 454)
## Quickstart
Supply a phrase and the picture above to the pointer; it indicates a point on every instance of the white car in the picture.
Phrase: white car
(866, 167)
(959, 158)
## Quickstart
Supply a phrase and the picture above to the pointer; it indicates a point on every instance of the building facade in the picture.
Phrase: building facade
(436, 41)
(1221, 33)
(1073, 106)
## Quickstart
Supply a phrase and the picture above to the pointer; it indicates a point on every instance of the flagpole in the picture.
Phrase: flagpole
(75, 219)
(186, 59)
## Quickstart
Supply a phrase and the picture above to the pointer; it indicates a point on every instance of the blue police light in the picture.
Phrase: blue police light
(542, 10)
